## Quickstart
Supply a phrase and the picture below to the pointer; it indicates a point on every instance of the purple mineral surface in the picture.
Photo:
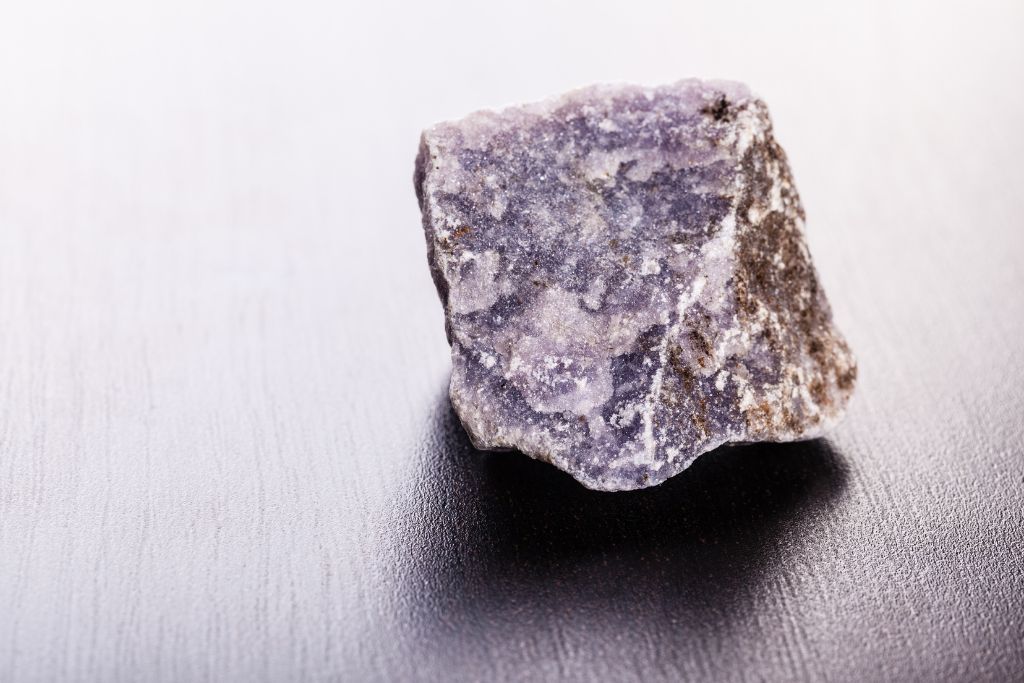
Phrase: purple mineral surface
(625, 281)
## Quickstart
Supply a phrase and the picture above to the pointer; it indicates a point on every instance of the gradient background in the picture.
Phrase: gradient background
(226, 452)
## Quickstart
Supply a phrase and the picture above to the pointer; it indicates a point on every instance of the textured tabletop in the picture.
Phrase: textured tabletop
(226, 449)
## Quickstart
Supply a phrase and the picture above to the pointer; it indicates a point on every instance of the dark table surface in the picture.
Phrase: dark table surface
(226, 451)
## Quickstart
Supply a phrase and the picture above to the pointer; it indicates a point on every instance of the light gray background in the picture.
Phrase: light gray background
(222, 361)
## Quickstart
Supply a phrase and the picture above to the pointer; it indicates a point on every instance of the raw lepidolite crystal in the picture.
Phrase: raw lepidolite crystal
(625, 281)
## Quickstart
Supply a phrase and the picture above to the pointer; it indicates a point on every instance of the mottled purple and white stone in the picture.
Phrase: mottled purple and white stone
(625, 281)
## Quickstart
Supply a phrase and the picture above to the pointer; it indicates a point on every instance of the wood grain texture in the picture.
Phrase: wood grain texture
(225, 448)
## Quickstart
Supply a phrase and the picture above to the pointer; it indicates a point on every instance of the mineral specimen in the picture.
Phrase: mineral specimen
(625, 281)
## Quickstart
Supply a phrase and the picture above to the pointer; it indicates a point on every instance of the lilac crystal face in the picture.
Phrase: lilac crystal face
(625, 281)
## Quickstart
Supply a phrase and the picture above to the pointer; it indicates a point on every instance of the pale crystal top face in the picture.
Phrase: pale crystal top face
(625, 281)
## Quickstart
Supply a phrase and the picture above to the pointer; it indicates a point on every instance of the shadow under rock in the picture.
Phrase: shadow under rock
(496, 544)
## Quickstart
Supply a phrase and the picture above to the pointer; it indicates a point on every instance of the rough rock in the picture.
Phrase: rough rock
(625, 281)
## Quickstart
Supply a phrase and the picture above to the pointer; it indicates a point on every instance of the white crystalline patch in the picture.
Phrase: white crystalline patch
(498, 206)
(592, 225)
(644, 167)
(625, 415)
(602, 165)
(746, 398)
(650, 266)
(592, 298)
(749, 128)
(472, 288)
